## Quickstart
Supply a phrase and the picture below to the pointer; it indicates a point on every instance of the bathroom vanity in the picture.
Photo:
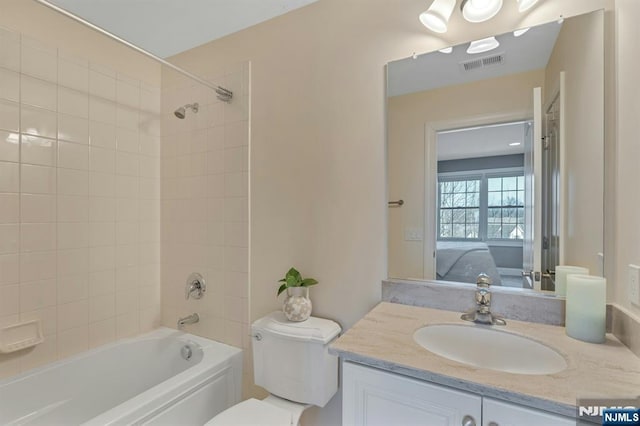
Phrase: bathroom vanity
(388, 378)
(376, 397)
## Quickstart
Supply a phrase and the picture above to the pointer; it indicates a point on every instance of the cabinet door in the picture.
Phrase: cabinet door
(375, 397)
(498, 413)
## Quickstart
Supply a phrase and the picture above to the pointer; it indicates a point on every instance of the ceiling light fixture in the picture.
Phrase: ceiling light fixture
(484, 45)
(518, 33)
(446, 50)
(524, 5)
(480, 10)
(436, 18)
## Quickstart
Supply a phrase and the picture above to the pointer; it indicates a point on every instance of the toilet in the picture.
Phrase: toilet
(291, 361)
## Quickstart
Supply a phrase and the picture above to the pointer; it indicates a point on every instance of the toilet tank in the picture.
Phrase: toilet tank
(291, 359)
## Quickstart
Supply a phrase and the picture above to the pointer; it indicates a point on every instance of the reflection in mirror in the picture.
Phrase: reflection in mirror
(498, 157)
(481, 201)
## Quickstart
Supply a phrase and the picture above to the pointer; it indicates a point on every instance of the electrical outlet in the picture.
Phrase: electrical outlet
(634, 284)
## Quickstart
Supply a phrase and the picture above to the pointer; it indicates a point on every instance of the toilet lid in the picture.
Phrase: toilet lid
(252, 412)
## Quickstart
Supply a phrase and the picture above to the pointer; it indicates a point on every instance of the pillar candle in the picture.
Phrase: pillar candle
(586, 313)
(561, 277)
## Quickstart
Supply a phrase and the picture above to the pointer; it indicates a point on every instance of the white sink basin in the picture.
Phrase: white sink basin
(489, 348)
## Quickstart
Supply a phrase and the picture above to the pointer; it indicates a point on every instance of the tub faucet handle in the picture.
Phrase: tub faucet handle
(195, 286)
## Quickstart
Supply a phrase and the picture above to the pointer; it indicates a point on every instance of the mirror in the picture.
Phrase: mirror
(496, 159)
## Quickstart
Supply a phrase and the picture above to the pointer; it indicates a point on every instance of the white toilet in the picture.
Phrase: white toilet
(290, 360)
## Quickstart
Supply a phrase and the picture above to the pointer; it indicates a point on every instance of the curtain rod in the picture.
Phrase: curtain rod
(222, 93)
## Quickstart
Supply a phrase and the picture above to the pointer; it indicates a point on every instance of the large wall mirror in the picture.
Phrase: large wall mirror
(496, 157)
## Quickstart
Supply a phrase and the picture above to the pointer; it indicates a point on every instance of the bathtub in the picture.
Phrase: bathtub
(165, 377)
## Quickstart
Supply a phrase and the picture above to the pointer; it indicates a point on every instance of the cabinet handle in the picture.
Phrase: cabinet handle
(468, 421)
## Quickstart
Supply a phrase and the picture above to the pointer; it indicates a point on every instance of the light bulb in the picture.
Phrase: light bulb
(437, 16)
(480, 4)
(524, 5)
(484, 45)
(480, 10)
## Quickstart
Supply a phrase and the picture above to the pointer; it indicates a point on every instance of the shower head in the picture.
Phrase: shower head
(182, 111)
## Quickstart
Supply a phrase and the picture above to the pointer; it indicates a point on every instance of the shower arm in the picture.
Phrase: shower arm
(224, 95)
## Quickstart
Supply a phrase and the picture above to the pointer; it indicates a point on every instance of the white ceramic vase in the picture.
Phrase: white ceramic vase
(297, 305)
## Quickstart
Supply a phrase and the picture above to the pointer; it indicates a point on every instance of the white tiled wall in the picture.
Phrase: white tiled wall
(205, 166)
(79, 201)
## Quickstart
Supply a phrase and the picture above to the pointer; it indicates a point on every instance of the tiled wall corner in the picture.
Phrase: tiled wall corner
(204, 205)
(79, 201)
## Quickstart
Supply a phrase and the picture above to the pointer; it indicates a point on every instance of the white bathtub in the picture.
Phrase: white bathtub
(143, 380)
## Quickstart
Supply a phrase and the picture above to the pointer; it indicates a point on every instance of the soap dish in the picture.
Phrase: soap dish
(20, 336)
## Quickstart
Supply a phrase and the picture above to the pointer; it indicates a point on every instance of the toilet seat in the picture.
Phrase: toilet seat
(252, 412)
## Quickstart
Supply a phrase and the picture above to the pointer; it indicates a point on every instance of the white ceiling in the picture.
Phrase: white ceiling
(168, 27)
(484, 141)
(530, 51)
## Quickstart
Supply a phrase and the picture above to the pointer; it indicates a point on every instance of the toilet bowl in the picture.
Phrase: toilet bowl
(271, 411)
(291, 360)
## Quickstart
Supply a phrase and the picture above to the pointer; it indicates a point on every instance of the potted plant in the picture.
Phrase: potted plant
(297, 305)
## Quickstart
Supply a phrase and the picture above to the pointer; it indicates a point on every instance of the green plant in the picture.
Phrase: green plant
(294, 279)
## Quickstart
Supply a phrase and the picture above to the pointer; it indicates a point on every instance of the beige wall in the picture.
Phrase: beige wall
(407, 117)
(317, 131)
(318, 178)
(583, 164)
(74, 39)
(79, 190)
(628, 147)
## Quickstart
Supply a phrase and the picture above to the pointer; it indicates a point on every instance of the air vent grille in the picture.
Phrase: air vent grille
(493, 60)
(472, 65)
(487, 61)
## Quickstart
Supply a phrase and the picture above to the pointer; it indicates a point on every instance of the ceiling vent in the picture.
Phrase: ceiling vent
(487, 61)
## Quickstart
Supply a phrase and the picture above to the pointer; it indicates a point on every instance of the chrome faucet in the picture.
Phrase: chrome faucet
(481, 314)
(189, 319)
(195, 286)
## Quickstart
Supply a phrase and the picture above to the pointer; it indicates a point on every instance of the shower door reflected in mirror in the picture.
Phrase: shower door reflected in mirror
(500, 166)
(551, 192)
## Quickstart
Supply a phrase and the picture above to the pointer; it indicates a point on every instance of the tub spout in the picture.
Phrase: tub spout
(189, 319)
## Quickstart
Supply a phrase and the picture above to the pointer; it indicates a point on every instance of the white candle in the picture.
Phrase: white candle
(561, 277)
(586, 314)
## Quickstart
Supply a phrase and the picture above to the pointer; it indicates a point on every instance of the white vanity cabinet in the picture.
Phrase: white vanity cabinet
(376, 397)
(500, 413)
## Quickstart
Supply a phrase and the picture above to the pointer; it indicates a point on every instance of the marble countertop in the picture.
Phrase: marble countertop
(384, 339)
